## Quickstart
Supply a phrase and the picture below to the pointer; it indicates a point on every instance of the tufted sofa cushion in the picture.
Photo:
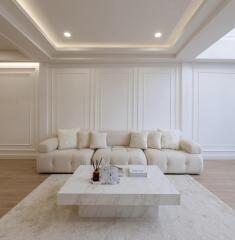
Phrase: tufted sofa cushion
(174, 161)
(121, 155)
(66, 161)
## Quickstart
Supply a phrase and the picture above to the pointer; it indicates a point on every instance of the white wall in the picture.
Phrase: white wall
(197, 98)
(114, 97)
(208, 107)
(18, 112)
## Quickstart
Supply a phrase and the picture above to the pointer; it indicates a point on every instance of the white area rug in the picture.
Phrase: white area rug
(201, 215)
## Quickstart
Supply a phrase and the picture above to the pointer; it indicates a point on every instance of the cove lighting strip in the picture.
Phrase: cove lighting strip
(19, 65)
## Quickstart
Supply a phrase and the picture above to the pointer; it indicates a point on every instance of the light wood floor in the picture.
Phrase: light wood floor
(219, 178)
(18, 178)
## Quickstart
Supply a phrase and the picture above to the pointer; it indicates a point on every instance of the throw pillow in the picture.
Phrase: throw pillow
(98, 140)
(170, 138)
(83, 139)
(154, 140)
(139, 140)
(67, 138)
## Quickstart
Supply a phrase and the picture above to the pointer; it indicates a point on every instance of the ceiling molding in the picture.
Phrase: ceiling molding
(115, 59)
(17, 29)
(216, 27)
(192, 10)
(26, 12)
(9, 56)
(32, 40)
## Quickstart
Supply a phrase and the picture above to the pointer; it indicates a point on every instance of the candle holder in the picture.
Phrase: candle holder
(96, 175)
(96, 172)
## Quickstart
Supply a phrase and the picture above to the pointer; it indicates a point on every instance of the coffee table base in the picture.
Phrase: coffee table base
(117, 211)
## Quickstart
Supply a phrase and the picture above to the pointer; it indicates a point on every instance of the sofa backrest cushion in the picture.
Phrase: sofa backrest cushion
(170, 138)
(118, 138)
(98, 140)
(83, 139)
(154, 139)
(67, 138)
(139, 140)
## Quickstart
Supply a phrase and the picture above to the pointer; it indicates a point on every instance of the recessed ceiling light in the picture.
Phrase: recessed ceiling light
(67, 34)
(157, 34)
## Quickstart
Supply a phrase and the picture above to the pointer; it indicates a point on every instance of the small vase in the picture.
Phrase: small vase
(96, 175)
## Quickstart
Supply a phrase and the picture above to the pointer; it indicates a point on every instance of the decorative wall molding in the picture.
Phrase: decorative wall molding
(71, 78)
(115, 96)
(160, 77)
(205, 79)
(118, 78)
(125, 97)
(19, 109)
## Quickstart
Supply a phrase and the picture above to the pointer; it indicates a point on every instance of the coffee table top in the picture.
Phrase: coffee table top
(144, 191)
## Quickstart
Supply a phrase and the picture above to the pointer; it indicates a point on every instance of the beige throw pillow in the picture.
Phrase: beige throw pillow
(139, 140)
(98, 140)
(170, 138)
(154, 140)
(67, 138)
(83, 139)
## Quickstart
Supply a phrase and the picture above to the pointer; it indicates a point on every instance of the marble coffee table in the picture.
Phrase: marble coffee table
(132, 197)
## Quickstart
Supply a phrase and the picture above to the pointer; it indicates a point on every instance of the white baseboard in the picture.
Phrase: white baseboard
(218, 155)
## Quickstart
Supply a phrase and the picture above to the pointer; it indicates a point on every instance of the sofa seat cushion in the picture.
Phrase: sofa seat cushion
(63, 161)
(121, 155)
(173, 161)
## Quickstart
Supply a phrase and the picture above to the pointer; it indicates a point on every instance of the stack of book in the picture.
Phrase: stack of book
(138, 171)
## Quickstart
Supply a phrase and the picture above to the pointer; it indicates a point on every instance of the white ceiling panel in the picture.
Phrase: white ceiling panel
(114, 30)
(111, 22)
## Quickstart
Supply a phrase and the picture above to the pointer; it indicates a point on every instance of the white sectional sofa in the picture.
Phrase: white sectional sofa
(187, 159)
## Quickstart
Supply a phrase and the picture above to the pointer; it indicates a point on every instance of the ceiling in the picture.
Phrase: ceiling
(110, 29)
(111, 22)
(223, 49)
(5, 44)
(9, 53)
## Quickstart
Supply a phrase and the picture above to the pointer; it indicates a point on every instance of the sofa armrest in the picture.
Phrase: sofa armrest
(48, 145)
(190, 146)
